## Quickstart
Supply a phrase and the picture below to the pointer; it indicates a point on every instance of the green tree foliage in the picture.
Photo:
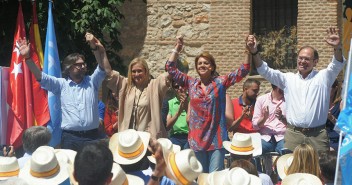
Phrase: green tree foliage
(72, 19)
(278, 48)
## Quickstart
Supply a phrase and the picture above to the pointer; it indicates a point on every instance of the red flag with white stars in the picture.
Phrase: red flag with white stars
(16, 95)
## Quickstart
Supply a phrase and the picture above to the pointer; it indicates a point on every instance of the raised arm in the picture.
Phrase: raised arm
(251, 44)
(177, 49)
(24, 48)
(333, 39)
(171, 66)
(99, 53)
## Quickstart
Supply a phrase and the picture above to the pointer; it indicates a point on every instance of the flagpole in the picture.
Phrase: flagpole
(344, 98)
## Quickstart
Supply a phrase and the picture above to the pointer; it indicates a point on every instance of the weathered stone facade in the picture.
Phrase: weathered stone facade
(217, 26)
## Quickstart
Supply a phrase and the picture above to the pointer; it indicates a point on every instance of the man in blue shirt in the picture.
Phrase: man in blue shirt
(78, 93)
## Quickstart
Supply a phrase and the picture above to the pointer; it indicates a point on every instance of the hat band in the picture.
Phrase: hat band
(242, 149)
(9, 174)
(125, 182)
(285, 170)
(133, 154)
(46, 173)
(176, 171)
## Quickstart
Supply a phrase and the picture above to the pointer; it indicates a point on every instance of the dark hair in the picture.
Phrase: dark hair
(68, 61)
(208, 57)
(93, 164)
(143, 164)
(273, 86)
(235, 157)
(34, 137)
(246, 165)
(315, 52)
(327, 162)
(249, 82)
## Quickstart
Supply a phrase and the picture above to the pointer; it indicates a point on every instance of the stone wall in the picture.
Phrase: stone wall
(217, 26)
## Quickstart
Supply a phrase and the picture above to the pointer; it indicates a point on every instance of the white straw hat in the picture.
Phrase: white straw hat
(166, 144)
(235, 176)
(283, 163)
(183, 166)
(121, 178)
(65, 155)
(8, 167)
(239, 176)
(241, 144)
(44, 168)
(301, 179)
(129, 146)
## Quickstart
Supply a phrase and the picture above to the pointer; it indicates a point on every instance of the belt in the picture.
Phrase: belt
(83, 132)
(306, 130)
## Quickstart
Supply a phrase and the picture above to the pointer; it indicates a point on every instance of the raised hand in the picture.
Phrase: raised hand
(333, 38)
(24, 47)
(251, 43)
(278, 112)
(265, 113)
(94, 43)
(179, 43)
(246, 111)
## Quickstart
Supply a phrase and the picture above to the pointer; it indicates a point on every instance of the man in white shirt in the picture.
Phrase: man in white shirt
(306, 92)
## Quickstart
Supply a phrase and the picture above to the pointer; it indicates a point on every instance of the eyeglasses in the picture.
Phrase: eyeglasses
(175, 86)
(300, 59)
(80, 65)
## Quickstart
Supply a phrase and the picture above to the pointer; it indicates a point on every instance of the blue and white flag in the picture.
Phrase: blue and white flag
(344, 123)
(52, 67)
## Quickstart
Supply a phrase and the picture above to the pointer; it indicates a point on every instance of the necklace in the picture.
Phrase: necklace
(135, 109)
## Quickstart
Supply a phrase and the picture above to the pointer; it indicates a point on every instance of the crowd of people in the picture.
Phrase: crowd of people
(178, 129)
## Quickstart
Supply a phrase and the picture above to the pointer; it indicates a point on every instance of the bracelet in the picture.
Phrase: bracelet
(255, 53)
(175, 51)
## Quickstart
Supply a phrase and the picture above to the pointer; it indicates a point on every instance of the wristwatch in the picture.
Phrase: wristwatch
(155, 178)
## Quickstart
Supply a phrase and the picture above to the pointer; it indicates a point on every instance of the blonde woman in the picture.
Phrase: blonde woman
(305, 160)
(140, 98)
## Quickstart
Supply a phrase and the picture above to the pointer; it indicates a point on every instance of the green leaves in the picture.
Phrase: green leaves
(278, 48)
(73, 18)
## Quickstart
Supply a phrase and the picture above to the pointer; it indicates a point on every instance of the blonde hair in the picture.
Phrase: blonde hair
(135, 61)
(305, 160)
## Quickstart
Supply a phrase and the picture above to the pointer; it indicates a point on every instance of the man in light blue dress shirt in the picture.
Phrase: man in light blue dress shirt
(78, 93)
(306, 92)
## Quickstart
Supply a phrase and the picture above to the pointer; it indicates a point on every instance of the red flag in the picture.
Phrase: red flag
(16, 99)
(40, 100)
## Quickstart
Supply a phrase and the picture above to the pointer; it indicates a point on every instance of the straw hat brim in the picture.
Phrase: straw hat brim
(57, 178)
(280, 165)
(135, 180)
(301, 178)
(113, 145)
(176, 148)
(169, 170)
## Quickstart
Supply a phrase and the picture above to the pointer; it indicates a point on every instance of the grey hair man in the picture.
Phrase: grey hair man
(33, 138)
(306, 92)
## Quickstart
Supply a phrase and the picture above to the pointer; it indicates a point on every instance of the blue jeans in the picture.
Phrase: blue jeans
(211, 160)
(76, 143)
(272, 146)
(180, 140)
